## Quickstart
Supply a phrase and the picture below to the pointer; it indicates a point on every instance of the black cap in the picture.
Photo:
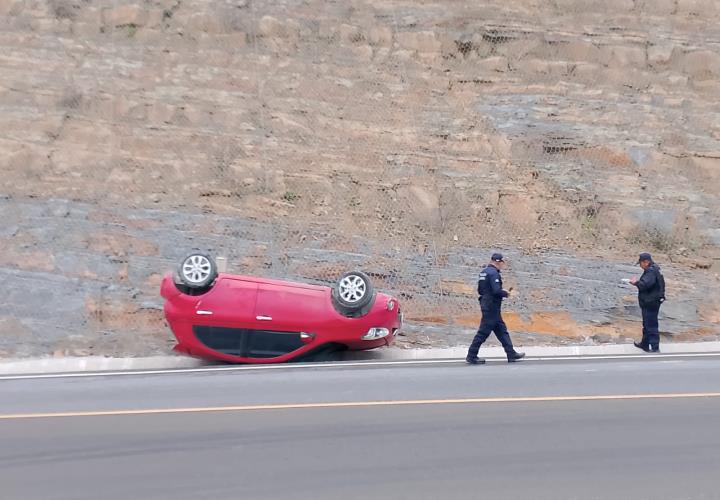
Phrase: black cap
(497, 257)
(644, 256)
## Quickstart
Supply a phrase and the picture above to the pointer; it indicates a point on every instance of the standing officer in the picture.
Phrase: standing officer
(491, 296)
(651, 293)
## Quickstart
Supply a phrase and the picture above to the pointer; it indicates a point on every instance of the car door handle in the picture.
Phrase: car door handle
(263, 318)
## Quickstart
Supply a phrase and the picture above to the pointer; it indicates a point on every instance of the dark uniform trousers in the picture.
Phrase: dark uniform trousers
(491, 322)
(651, 328)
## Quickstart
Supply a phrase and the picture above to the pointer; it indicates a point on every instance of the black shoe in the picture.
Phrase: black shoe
(515, 357)
(643, 347)
(474, 361)
(655, 349)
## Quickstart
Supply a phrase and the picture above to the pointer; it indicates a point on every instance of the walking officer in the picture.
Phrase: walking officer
(651, 294)
(491, 294)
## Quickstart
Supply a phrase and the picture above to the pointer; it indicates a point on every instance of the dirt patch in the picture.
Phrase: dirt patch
(710, 312)
(118, 244)
(27, 259)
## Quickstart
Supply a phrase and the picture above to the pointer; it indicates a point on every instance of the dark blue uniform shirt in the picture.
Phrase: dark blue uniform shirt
(651, 286)
(490, 289)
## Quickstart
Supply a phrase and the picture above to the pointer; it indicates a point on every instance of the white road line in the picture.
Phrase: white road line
(348, 364)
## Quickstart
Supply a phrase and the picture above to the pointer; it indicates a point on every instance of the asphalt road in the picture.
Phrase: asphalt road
(642, 429)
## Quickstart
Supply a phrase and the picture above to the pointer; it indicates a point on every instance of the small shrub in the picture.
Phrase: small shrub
(290, 197)
(654, 237)
(589, 220)
(131, 29)
(589, 224)
(64, 9)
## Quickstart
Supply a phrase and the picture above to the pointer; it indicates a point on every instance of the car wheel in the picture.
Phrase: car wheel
(353, 294)
(197, 271)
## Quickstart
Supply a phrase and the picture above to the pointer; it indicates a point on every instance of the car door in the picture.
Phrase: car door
(230, 303)
(285, 314)
(225, 315)
(289, 308)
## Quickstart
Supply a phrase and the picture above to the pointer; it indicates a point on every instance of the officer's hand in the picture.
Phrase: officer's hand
(633, 281)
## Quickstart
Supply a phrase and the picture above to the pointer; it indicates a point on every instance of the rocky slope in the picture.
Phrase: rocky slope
(408, 138)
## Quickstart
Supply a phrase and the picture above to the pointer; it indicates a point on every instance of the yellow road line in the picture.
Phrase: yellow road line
(357, 404)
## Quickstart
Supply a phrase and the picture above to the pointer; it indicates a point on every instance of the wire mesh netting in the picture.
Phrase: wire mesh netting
(300, 139)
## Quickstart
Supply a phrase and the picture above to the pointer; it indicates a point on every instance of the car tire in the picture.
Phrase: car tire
(196, 273)
(353, 294)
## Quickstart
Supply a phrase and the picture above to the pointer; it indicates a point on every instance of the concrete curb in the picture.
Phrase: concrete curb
(174, 362)
(96, 364)
(393, 353)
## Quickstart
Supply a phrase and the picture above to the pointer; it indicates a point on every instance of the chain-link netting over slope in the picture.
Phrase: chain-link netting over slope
(409, 139)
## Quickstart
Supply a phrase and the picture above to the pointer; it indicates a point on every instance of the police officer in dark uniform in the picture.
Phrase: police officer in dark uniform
(492, 294)
(651, 294)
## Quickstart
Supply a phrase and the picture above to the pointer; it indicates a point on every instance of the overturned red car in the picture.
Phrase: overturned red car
(243, 319)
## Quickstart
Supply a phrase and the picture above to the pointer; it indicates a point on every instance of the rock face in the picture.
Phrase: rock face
(303, 138)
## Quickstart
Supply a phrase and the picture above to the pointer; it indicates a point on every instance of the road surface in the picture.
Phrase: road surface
(596, 429)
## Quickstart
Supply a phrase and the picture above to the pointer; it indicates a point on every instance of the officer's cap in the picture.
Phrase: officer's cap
(644, 256)
(497, 257)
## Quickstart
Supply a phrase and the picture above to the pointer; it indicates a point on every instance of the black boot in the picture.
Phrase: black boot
(516, 356)
(641, 346)
(474, 360)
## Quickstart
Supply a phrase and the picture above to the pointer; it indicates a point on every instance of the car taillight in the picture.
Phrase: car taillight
(375, 333)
